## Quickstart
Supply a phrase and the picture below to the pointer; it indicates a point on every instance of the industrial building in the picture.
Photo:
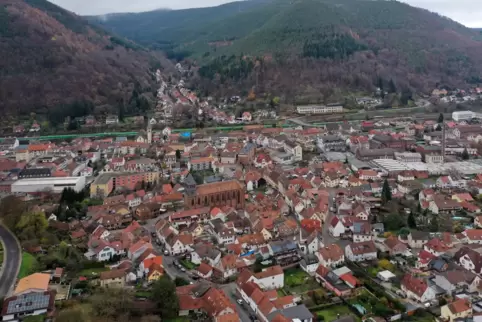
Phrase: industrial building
(319, 109)
(53, 184)
(462, 115)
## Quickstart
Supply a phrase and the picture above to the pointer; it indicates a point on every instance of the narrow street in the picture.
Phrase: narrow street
(243, 310)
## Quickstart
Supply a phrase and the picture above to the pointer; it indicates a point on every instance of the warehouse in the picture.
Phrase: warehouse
(54, 184)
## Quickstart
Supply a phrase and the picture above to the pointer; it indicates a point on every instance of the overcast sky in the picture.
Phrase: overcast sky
(467, 12)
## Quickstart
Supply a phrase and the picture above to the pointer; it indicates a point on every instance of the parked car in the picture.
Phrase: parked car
(240, 301)
(166, 252)
(182, 269)
(176, 263)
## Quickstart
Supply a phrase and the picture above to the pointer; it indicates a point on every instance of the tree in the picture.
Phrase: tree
(440, 118)
(164, 294)
(386, 192)
(178, 155)
(411, 221)
(438, 127)
(393, 222)
(31, 226)
(179, 281)
(386, 265)
(111, 303)
(465, 154)
(434, 226)
(391, 86)
(74, 314)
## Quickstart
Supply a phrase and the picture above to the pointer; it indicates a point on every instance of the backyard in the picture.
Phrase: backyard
(187, 264)
(27, 266)
(92, 272)
(365, 302)
(298, 281)
(334, 312)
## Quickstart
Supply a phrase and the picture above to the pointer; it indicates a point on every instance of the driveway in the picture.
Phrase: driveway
(11, 261)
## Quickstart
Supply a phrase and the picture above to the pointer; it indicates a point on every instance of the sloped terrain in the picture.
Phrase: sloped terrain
(313, 44)
(51, 57)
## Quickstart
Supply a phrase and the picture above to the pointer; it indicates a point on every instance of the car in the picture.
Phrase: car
(176, 263)
(240, 301)
(166, 252)
(153, 234)
(195, 277)
(183, 269)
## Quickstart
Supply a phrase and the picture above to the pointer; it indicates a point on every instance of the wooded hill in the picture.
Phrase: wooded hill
(52, 59)
(312, 45)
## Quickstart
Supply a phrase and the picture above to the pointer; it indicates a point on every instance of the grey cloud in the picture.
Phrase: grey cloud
(467, 12)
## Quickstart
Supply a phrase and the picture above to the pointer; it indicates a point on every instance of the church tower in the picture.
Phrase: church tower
(149, 134)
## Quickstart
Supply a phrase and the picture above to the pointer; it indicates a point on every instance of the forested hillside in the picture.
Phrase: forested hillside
(56, 63)
(325, 44)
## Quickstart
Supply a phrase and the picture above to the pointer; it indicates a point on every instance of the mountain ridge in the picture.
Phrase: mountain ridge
(53, 58)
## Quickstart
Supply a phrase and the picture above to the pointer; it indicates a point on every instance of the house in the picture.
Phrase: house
(309, 263)
(362, 231)
(395, 246)
(203, 252)
(457, 280)
(436, 246)
(151, 268)
(336, 227)
(113, 278)
(469, 259)
(458, 310)
(223, 234)
(331, 281)
(20, 307)
(359, 252)
(179, 244)
(441, 206)
(35, 283)
(473, 236)
(204, 271)
(417, 289)
(227, 266)
(331, 255)
(416, 239)
(270, 278)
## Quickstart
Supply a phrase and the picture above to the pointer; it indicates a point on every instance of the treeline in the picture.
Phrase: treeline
(57, 114)
(333, 47)
(233, 67)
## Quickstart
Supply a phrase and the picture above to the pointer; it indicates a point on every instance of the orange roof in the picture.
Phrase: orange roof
(230, 317)
(37, 281)
(38, 147)
(459, 306)
(152, 260)
(215, 187)
(269, 272)
(202, 160)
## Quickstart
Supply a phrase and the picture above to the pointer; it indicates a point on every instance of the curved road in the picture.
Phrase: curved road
(11, 261)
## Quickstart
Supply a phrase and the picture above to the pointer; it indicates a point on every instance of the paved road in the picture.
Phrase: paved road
(242, 310)
(11, 263)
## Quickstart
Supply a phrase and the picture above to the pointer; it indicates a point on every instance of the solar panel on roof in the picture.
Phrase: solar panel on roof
(28, 302)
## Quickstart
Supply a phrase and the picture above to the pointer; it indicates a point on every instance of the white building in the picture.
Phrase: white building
(270, 278)
(319, 109)
(462, 115)
(54, 184)
(359, 252)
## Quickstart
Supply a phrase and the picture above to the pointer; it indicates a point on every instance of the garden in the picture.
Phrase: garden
(334, 312)
(298, 281)
(367, 303)
(27, 266)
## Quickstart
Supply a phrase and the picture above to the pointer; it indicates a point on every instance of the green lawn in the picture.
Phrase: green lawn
(143, 294)
(28, 264)
(187, 264)
(92, 272)
(298, 281)
(331, 313)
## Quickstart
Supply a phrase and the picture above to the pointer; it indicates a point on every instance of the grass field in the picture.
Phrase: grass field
(331, 313)
(27, 266)
(187, 264)
(298, 281)
(92, 272)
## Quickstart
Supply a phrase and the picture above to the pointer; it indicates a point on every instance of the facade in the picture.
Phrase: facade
(462, 115)
(226, 193)
(373, 153)
(115, 278)
(359, 252)
(105, 183)
(319, 109)
(54, 184)
(331, 143)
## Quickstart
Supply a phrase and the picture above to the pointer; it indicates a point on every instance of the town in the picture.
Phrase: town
(368, 220)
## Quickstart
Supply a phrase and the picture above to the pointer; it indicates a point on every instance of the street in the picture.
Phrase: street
(242, 310)
(11, 263)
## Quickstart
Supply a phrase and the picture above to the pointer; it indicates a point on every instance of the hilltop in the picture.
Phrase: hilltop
(52, 58)
(322, 44)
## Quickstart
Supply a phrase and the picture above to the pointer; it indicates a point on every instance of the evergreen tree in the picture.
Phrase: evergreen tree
(178, 155)
(391, 87)
(411, 221)
(386, 192)
(465, 154)
(440, 118)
